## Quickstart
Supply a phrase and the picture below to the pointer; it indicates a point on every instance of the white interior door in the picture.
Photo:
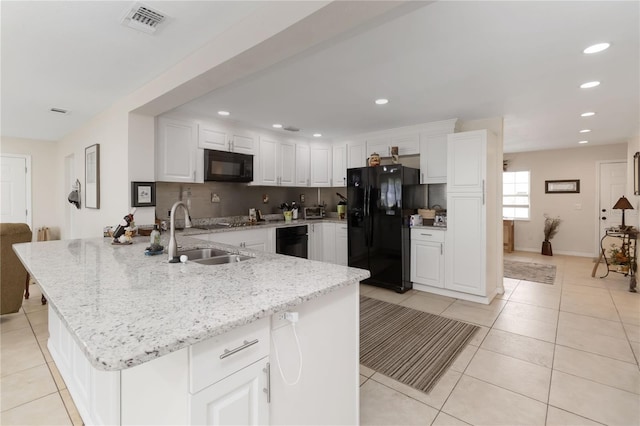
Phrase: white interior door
(15, 190)
(613, 184)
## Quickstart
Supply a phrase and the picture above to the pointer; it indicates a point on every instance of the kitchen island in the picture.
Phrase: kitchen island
(142, 341)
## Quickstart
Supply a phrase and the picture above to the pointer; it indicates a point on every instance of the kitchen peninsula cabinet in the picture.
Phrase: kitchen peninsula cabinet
(144, 341)
(178, 158)
(328, 242)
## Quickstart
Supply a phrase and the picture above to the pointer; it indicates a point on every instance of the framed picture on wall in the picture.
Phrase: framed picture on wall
(571, 186)
(143, 194)
(92, 176)
(636, 174)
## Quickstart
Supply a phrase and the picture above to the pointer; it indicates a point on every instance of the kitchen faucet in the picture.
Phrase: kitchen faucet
(173, 244)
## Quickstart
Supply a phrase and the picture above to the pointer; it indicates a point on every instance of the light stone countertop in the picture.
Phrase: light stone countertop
(443, 228)
(194, 230)
(125, 308)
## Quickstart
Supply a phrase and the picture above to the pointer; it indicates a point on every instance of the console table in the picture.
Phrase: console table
(618, 248)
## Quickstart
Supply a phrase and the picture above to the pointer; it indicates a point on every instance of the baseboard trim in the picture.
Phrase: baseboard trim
(562, 252)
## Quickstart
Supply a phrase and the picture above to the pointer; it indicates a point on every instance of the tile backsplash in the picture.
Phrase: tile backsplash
(237, 198)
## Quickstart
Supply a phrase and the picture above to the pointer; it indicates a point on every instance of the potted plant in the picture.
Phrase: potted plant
(551, 225)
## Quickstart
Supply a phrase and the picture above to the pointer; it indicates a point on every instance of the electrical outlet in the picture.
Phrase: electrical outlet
(302, 198)
(265, 198)
(215, 198)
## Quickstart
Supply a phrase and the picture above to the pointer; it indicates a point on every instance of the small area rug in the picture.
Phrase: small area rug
(410, 346)
(528, 271)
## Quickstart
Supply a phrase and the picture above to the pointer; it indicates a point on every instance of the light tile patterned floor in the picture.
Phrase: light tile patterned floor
(31, 389)
(561, 354)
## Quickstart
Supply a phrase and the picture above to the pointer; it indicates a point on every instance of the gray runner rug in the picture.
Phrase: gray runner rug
(410, 346)
(529, 271)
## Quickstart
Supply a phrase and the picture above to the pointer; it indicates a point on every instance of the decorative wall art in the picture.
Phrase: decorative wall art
(636, 174)
(143, 194)
(571, 186)
(92, 176)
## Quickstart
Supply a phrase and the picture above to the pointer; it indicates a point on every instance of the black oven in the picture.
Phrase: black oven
(223, 166)
(292, 240)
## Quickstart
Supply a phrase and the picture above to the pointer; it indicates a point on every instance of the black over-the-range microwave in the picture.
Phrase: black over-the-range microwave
(223, 166)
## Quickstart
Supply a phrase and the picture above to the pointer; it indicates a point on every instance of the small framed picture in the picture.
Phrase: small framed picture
(143, 194)
(562, 186)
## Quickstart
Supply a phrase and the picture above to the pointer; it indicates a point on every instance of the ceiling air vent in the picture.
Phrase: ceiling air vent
(59, 110)
(292, 129)
(143, 18)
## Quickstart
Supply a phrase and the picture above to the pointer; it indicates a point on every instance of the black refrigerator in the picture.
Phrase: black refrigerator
(380, 199)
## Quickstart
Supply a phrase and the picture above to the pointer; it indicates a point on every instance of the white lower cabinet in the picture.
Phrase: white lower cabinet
(342, 246)
(256, 239)
(427, 257)
(328, 242)
(240, 399)
(233, 378)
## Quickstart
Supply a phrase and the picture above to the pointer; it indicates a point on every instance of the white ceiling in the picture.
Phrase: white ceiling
(470, 60)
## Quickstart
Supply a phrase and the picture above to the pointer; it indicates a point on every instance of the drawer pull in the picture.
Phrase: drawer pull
(245, 345)
(426, 235)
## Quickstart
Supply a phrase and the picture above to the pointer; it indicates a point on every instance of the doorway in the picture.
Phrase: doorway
(15, 189)
(612, 178)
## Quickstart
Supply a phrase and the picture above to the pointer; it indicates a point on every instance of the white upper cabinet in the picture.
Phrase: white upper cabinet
(302, 164)
(277, 163)
(467, 160)
(339, 164)
(433, 158)
(287, 165)
(221, 138)
(321, 165)
(210, 138)
(242, 143)
(268, 171)
(178, 158)
(356, 154)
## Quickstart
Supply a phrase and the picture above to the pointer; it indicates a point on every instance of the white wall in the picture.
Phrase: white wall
(577, 232)
(46, 176)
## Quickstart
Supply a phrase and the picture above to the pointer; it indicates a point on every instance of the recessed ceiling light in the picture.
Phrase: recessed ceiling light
(382, 101)
(596, 48)
(583, 142)
(277, 126)
(589, 84)
(585, 130)
(225, 113)
(587, 114)
(317, 135)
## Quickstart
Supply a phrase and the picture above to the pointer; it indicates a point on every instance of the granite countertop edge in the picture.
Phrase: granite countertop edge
(125, 318)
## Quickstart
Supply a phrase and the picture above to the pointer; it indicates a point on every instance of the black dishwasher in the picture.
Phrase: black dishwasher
(292, 240)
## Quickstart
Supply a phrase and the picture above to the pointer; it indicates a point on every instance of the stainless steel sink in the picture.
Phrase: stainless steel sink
(202, 253)
(211, 256)
(220, 260)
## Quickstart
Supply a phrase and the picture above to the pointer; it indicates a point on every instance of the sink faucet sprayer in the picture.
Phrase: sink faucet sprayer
(173, 244)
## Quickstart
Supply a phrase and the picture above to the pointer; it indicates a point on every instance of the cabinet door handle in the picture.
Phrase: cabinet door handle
(267, 390)
(483, 192)
(426, 235)
(244, 345)
(441, 249)
(422, 177)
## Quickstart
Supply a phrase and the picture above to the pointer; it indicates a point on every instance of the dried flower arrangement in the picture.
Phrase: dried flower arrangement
(551, 225)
